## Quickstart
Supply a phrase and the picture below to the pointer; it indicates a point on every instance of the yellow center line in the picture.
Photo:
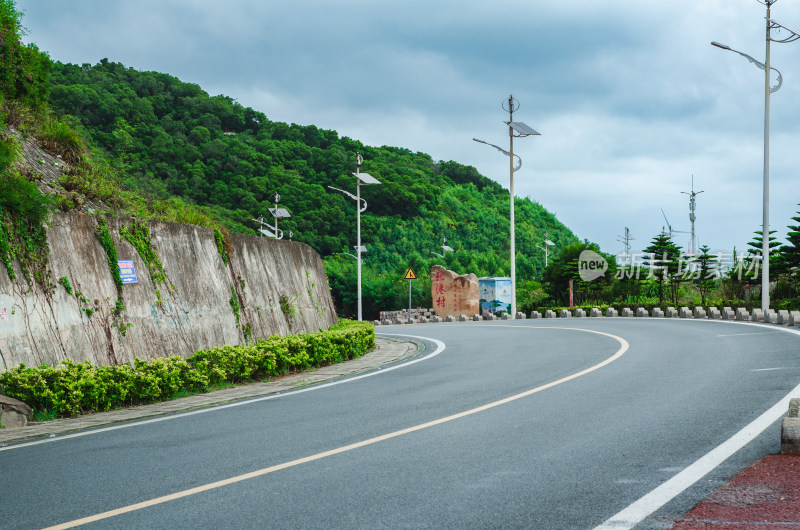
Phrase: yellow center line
(292, 463)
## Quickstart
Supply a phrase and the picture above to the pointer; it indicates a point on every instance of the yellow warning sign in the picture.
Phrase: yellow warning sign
(410, 275)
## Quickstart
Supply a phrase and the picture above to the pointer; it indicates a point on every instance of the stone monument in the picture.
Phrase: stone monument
(453, 294)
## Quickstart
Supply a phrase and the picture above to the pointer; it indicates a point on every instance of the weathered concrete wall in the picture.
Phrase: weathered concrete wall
(280, 287)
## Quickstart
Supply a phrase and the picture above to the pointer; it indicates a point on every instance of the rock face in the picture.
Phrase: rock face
(266, 287)
(453, 294)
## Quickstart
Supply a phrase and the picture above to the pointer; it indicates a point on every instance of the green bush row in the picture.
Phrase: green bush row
(75, 388)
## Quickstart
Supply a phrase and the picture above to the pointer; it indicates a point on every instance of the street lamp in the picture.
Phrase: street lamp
(277, 213)
(361, 205)
(546, 248)
(516, 129)
(445, 248)
(363, 249)
(791, 37)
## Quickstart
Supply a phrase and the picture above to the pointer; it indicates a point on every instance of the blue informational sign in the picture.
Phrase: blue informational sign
(495, 294)
(126, 271)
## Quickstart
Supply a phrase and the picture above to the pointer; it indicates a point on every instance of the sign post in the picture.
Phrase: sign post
(570, 295)
(409, 276)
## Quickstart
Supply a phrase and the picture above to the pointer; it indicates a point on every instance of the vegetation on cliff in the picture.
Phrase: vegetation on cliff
(171, 139)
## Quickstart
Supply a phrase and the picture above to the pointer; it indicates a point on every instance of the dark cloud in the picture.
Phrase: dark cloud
(630, 97)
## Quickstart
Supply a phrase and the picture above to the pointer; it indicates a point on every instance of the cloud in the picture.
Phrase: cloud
(630, 98)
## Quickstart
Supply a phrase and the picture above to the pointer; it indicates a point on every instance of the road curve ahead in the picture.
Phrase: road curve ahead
(529, 424)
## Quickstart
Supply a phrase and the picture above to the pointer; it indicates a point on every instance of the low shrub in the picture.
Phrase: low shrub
(75, 388)
(59, 138)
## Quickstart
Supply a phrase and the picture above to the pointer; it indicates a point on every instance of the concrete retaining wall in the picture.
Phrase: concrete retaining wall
(280, 287)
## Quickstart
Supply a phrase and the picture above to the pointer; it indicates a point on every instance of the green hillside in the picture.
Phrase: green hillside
(170, 138)
(150, 145)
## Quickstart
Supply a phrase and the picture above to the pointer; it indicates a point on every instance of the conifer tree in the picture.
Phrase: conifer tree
(791, 251)
(706, 281)
(664, 265)
(776, 264)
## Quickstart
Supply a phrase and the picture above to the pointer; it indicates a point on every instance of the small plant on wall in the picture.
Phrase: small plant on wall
(103, 234)
(222, 238)
(288, 306)
(138, 235)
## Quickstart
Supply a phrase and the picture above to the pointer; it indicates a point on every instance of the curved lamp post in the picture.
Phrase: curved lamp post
(516, 129)
(361, 205)
(362, 248)
(546, 248)
(277, 213)
(445, 249)
(791, 37)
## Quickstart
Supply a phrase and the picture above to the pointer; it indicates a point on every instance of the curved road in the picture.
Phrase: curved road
(521, 424)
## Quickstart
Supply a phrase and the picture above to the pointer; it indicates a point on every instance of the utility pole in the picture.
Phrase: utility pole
(626, 240)
(692, 216)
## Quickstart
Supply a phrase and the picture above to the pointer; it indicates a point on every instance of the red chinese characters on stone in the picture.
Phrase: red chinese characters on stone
(453, 294)
(438, 291)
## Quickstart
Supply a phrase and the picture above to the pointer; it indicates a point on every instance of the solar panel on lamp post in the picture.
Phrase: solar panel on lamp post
(277, 213)
(361, 179)
(792, 36)
(363, 249)
(445, 249)
(546, 248)
(516, 129)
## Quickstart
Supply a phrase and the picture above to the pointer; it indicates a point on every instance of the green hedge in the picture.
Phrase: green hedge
(75, 388)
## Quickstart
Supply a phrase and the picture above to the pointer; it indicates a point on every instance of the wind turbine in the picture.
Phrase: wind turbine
(671, 231)
(692, 217)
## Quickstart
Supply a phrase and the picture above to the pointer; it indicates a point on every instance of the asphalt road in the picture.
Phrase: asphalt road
(513, 424)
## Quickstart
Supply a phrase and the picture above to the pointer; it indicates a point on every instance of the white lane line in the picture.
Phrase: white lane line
(769, 369)
(440, 346)
(645, 506)
(261, 472)
(743, 334)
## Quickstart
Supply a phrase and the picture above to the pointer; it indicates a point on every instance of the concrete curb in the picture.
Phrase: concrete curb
(782, 319)
(386, 351)
(790, 429)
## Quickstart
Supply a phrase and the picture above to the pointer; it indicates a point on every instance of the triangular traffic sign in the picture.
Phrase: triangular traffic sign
(410, 275)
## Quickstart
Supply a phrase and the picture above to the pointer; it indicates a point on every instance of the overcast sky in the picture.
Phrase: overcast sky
(630, 98)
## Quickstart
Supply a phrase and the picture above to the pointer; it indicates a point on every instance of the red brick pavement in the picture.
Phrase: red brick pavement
(764, 496)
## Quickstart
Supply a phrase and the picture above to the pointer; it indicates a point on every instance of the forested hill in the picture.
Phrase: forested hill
(170, 138)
